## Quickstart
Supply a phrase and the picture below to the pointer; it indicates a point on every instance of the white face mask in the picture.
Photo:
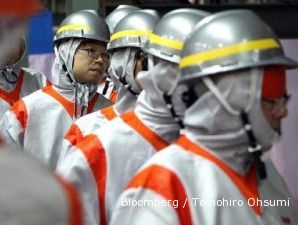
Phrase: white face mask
(163, 75)
(152, 106)
(122, 63)
(150, 62)
(160, 81)
(12, 30)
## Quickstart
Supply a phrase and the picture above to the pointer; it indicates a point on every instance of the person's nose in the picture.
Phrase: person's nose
(282, 113)
(99, 59)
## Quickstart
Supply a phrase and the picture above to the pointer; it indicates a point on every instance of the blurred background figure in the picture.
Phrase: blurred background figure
(29, 193)
(13, 24)
(16, 81)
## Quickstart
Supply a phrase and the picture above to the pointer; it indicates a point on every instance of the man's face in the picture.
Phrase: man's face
(90, 62)
(275, 110)
(274, 97)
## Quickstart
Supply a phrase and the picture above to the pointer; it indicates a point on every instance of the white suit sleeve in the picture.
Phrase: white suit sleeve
(155, 195)
(74, 167)
(14, 123)
(143, 207)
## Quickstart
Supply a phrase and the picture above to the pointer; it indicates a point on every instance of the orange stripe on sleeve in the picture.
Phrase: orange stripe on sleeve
(20, 111)
(74, 134)
(113, 96)
(95, 155)
(165, 183)
(134, 122)
(247, 185)
(68, 105)
(109, 112)
(74, 203)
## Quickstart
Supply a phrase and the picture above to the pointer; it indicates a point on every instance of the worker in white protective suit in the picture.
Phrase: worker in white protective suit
(38, 122)
(29, 193)
(127, 60)
(109, 88)
(17, 81)
(103, 162)
(236, 99)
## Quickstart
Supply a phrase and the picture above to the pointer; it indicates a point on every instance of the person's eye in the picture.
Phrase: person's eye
(92, 51)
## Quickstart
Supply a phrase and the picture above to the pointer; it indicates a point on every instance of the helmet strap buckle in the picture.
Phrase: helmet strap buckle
(254, 148)
(127, 86)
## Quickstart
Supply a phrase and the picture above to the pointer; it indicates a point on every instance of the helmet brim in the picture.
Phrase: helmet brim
(190, 74)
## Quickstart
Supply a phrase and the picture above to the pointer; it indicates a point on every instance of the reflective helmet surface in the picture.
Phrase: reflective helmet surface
(166, 40)
(229, 41)
(134, 29)
(85, 24)
(118, 14)
(185, 10)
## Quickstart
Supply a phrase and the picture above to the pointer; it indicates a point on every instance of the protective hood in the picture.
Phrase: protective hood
(151, 107)
(123, 63)
(214, 120)
(63, 78)
(121, 71)
(10, 73)
(110, 76)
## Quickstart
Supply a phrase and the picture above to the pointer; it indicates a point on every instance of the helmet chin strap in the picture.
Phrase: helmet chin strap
(106, 82)
(127, 86)
(254, 148)
(170, 106)
(106, 87)
(213, 88)
(76, 108)
(7, 71)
